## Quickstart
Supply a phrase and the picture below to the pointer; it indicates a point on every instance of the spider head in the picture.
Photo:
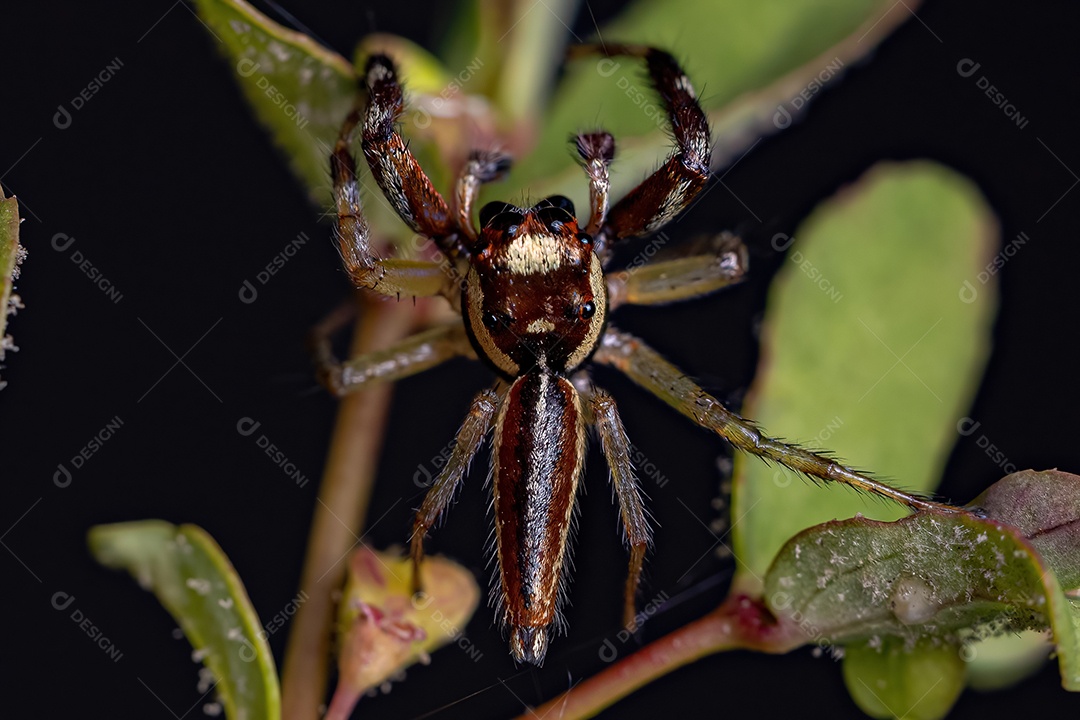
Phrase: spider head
(535, 293)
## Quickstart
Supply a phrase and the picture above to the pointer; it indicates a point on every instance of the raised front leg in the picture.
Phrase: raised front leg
(400, 176)
(665, 193)
(393, 277)
(648, 369)
(698, 270)
(481, 167)
(596, 151)
(470, 436)
(616, 446)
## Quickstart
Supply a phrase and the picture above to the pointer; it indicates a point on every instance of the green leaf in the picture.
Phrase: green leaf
(869, 348)
(933, 573)
(954, 578)
(194, 580)
(747, 60)
(299, 90)
(11, 254)
(920, 683)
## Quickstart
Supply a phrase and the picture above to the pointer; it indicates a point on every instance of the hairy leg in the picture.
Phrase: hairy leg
(392, 277)
(696, 270)
(596, 151)
(412, 355)
(665, 193)
(648, 369)
(482, 167)
(397, 172)
(472, 433)
(616, 447)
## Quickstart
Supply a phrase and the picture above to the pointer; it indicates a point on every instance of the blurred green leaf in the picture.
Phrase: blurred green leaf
(299, 90)
(1045, 508)
(919, 683)
(1000, 662)
(11, 254)
(869, 348)
(194, 580)
(747, 60)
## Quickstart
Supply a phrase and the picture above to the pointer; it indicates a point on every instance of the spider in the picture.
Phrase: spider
(535, 296)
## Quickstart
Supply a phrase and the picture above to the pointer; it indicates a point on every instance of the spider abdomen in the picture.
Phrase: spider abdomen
(538, 455)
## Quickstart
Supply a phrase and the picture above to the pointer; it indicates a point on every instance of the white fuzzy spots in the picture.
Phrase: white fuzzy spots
(239, 27)
(225, 603)
(199, 585)
(278, 50)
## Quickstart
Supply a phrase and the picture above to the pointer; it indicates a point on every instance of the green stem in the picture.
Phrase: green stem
(339, 515)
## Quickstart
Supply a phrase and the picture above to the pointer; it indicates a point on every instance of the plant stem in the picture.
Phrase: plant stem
(738, 624)
(339, 514)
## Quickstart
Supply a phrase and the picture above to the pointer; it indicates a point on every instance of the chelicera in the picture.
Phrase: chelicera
(535, 297)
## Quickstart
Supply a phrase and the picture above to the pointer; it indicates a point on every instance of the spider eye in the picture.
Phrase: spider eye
(490, 320)
(588, 309)
(585, 238)
(492, 209)
(558, 201)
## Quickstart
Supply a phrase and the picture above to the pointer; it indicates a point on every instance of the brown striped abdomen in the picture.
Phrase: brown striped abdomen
(539, 451)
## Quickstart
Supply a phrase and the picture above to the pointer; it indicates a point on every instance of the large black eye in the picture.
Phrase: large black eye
(492, 209)
(588, 309)
(557, 201)
(490, 320)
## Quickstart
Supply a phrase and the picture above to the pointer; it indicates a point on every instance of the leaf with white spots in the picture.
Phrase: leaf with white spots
(11, 254)
(299, 90)
(951, 578)
(194, 580)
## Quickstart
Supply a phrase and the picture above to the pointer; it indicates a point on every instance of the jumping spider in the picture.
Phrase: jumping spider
(534, 306)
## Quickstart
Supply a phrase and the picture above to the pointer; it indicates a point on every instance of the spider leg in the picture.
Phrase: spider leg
(393, 277)
(412, 355)
(596, 150)
(394, 167)
(665, 193)
(648, 369)
(472, 433)
(482, 167)
(616, 446)
(695, 272)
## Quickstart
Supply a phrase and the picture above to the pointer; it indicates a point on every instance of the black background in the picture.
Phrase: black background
(175, 195)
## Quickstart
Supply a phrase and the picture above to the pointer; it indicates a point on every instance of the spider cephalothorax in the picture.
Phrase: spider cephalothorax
(535, 304)
(535, 292)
